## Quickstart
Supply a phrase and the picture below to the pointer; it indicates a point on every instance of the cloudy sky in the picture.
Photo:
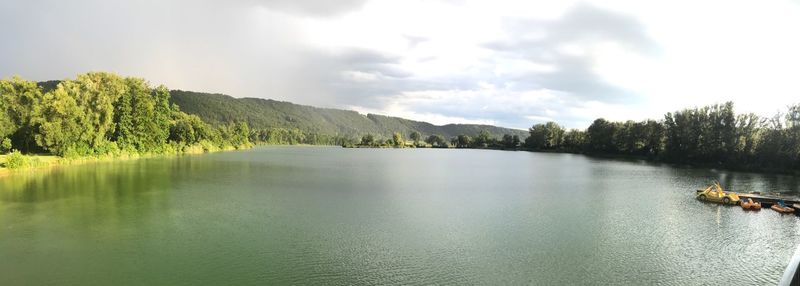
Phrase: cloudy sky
(508, 63)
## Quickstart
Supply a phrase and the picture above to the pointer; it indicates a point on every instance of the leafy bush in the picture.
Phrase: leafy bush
(107, 148)
(5, 146)
(209, 146)
(71, 153)
(16, 160)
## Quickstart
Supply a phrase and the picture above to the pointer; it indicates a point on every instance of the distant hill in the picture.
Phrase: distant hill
(267, 113)
(260, 113)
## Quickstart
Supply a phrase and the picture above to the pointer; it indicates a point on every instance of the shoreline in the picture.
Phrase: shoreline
(53, 162)
(618, 157)
(60, 162)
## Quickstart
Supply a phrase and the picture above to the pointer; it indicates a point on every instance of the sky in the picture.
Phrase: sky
(506, 63)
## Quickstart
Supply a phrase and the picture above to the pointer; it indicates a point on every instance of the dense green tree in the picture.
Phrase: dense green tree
(545, 136)
(415, 136)
(436, 141)
(397, 139)
(507, 141)
(62, 123)
(710, 135)
(150, 117)
(653, 134)
(574, 140)
(627, 136)
(771, 149)
(7, 126)
(701, 134)
(5, 145)
(600, 136)
(84, 111)
(102, 113)
(483, 139)
(792, 135)
(510, 141)
(123, 115)
(462, 141)
(20, 101)
(367, 140)
(96, 94)
(237, 134)
(183, 129)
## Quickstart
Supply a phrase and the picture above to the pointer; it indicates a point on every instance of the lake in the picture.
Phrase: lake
(335, 216)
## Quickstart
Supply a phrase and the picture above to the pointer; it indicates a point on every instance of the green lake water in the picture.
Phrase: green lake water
(334, 216)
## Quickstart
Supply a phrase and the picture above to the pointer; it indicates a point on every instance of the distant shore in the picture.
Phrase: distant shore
(620, 157)
(44, 161)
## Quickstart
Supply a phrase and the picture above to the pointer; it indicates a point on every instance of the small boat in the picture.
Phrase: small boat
(749, 204)
(781, 207)
(715, 193)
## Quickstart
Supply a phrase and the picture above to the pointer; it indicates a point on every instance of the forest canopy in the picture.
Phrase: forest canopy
(711, 135)
(102, 113)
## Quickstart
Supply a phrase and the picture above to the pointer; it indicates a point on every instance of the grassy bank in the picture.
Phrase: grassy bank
(17, 162)
(14, 162)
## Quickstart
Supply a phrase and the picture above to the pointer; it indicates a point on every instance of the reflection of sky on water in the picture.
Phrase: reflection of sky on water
(385, 216)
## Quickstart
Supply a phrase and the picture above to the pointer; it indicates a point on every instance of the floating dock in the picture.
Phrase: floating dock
(791, 276)
(766, 199)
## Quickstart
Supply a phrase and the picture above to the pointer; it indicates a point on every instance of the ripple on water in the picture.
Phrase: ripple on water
(317, 216)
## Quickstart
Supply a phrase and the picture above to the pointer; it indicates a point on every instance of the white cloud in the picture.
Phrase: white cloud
(507, 62)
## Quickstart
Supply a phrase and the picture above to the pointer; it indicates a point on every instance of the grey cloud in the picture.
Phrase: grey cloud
(534, 40)
(210, 46)
(588, 23)
(540, 42)
(372, 62)
(390, 79)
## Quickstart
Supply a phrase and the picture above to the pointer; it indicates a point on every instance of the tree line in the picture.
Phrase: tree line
(102, 113)
(294, 136)
(482, 140)
(711, 135)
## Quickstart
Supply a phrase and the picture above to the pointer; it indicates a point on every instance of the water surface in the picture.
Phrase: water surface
(317, 215)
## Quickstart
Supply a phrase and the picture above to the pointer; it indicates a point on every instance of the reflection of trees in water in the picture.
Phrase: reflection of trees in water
(102, 181)
(743, 181)
(90, 194)
(697, 177)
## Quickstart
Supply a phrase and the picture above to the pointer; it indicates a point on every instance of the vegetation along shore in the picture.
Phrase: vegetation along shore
(102, 116)
(710, 136)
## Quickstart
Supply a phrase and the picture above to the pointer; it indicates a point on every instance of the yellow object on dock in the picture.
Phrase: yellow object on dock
(715, 193)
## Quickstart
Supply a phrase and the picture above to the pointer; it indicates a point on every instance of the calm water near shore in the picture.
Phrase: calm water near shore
(335, 216)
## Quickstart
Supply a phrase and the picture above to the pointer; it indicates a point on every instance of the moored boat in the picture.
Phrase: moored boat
(749, 204)
(781, 207)
(715, 193)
